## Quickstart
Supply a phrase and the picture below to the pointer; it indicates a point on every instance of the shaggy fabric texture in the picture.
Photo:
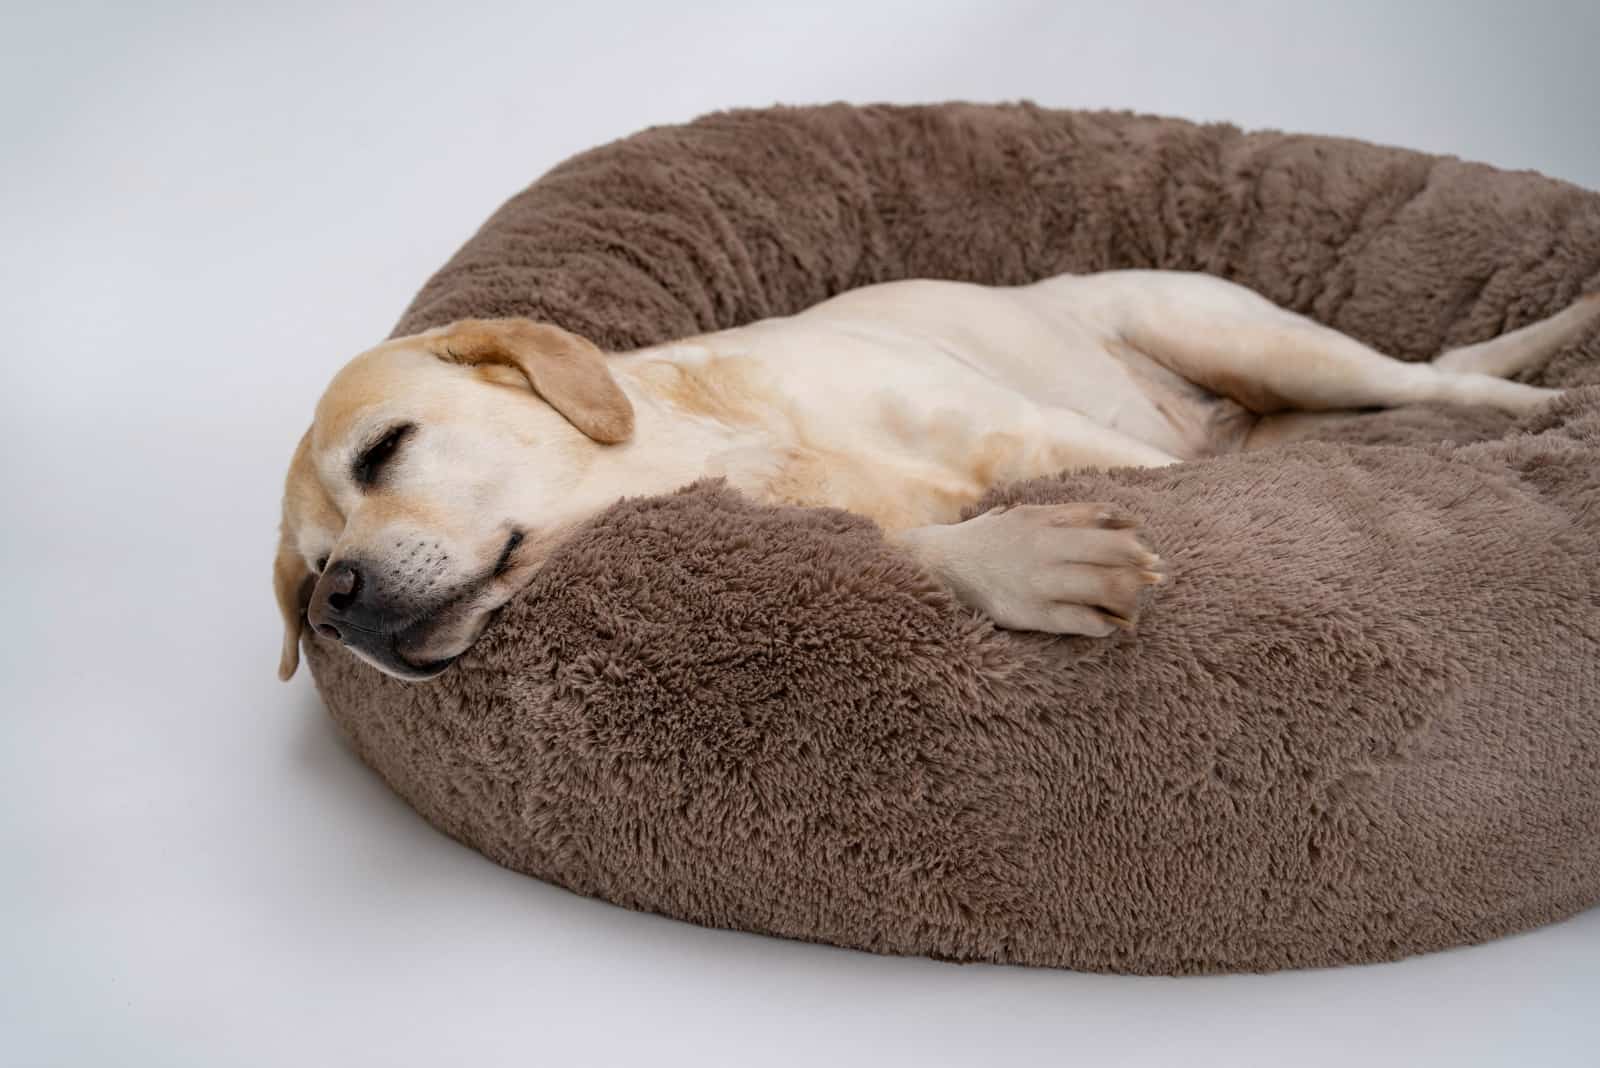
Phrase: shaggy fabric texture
(1362, 720)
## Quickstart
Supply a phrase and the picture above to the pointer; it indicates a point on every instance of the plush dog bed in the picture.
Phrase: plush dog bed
(1361, 721)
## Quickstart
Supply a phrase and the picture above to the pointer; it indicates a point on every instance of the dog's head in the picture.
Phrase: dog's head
(436, 469)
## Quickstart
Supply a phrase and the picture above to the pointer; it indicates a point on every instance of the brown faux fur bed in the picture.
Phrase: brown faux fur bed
(1362, 720)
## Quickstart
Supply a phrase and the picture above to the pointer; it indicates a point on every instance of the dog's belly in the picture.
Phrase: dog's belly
(953, 356)
(1184, 419)
(907, 402)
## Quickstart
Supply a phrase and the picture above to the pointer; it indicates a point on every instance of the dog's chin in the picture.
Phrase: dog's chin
(408, 667)
(412, 671)
(425, 649)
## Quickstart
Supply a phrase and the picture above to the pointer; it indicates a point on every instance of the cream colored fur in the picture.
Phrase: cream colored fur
(903, 402)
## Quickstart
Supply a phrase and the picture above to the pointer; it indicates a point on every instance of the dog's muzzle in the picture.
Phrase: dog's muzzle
(348, 607)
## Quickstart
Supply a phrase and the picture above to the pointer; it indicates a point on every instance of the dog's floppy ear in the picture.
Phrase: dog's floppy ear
(568, 371)
(292, 582)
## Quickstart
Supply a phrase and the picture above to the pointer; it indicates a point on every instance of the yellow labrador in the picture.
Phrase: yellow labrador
(441, 467)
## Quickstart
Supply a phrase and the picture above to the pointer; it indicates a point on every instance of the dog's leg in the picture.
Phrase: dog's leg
(1527, 346)
(1061, 569)
(1240, 345)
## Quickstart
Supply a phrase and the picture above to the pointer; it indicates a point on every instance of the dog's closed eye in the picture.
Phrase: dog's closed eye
(369, 465)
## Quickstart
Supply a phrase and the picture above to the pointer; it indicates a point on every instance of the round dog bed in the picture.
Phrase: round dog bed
(1362, 719)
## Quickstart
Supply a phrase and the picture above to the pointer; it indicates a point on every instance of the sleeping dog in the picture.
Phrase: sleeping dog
(440, 468)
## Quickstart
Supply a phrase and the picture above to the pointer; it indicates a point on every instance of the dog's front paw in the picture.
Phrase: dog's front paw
(1061, 569)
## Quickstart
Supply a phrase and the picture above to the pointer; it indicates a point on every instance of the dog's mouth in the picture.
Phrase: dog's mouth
(402, 653)
(411, 671)
(503, 564)
(426, 645)
(414, 650)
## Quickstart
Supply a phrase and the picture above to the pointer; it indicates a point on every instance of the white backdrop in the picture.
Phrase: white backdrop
(206, 210)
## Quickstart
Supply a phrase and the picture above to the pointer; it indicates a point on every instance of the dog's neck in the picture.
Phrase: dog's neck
(698, 416)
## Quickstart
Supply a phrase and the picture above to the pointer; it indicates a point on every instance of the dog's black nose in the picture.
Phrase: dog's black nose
(335, 599)
(344, 584)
